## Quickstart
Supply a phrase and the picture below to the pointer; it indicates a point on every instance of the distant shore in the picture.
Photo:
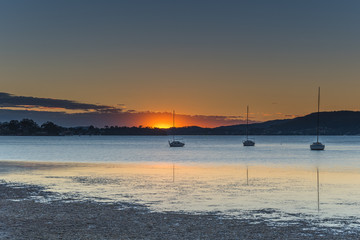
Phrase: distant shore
(332, 123)
(24, 217)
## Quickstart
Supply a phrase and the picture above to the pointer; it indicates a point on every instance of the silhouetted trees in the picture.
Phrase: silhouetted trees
(13, 126)
(24, 127)
(28, 127)
(51, 128)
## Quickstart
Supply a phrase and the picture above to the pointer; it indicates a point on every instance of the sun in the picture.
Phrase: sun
(162, 125)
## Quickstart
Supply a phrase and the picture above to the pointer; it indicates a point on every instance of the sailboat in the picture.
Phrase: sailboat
(248, 142)
(317, 145)
(174, 142)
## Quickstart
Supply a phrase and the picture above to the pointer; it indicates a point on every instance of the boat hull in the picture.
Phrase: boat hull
(176, 143)
(248, 143)
(317, 146)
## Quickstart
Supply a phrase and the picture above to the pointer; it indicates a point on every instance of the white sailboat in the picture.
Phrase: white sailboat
(317, 145)
(248, 142)
(174, 142)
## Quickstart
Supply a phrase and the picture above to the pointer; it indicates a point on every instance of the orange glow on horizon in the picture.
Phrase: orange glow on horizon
(162, 120)
(162, 125)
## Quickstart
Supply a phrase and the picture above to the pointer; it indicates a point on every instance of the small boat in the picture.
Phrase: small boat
(317, 145)
(175, 142)
(248, 142)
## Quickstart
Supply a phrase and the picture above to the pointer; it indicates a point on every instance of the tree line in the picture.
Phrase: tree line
(28, 127)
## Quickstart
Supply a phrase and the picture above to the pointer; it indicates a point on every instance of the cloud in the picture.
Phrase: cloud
(291, 115)
(11, 101)
(101, 119)
(71, 113)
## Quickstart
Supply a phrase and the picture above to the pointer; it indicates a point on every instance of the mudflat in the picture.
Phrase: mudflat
(24, 216)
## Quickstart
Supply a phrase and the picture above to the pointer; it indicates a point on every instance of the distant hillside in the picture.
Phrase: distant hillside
(331, 123)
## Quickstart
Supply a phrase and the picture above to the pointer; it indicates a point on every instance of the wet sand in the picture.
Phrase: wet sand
(23, 216)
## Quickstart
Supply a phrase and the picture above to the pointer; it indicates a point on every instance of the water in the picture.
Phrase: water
(341, 151)
(276, 179)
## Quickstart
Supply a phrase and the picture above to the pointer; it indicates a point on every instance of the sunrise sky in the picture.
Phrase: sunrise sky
(140, 60)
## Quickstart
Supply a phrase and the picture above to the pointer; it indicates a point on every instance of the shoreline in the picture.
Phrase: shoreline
(24, 217)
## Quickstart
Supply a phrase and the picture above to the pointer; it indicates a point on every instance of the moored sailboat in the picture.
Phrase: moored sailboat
(317, 145)
(175, 142)
(248, 142)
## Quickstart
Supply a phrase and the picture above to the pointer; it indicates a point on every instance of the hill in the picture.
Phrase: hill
(331, 123)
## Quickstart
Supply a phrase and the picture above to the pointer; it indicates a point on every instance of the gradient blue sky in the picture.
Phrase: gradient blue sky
(198, 57)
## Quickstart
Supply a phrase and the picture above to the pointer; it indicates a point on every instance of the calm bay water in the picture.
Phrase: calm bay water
(277, 178)
(341, 151)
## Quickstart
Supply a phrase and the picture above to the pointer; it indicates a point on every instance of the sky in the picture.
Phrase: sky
(200, 57)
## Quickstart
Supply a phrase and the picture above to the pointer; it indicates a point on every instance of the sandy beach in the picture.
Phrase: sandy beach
(24, 216)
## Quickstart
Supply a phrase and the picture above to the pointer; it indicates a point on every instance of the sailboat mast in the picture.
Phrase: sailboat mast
(247, 122)
(173, 118)
(318, 117)
(173, 124)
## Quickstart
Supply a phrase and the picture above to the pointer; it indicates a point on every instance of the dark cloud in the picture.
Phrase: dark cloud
(10, 100)
(101, 119)
(19, 107)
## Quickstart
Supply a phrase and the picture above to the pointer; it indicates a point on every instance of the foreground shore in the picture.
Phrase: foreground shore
(23, 217)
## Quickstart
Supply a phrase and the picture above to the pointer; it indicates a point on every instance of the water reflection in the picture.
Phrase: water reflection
(247, 175)
(289, 191)
(318, 189)
(174, 172)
